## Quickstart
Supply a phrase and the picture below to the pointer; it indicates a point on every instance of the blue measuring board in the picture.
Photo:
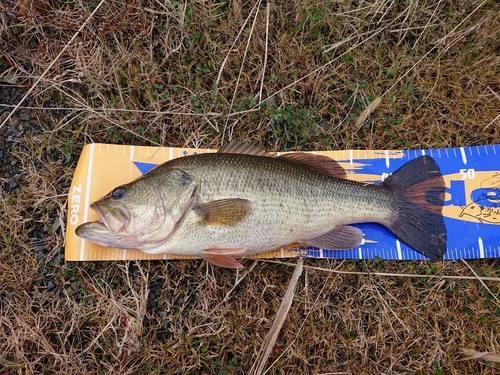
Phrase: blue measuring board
(471, 208)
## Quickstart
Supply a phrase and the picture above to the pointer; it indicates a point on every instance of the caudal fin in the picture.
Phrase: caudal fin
(418, 187)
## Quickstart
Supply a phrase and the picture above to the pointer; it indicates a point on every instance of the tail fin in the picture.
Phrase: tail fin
(417, 187)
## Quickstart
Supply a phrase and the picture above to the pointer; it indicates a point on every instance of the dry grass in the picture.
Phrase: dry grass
(284, 75)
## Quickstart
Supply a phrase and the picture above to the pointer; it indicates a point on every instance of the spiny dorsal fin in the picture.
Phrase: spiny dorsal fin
(224, 212)
(320, 163)
(237, 147)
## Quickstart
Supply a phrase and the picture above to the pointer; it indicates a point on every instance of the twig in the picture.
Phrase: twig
(268, 11)
(482, 282)
(89, 286)
(240, 72)
(239, 281)
(271, 338)
(232, 46)
(386, 274)
(450, 119)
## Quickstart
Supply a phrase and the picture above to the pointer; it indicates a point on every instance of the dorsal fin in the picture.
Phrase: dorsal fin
(320, 163)
(237, 147)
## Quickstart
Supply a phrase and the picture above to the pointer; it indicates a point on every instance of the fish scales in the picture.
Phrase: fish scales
(290, 202)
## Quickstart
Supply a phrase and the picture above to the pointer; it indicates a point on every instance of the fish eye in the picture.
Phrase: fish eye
(118, 192)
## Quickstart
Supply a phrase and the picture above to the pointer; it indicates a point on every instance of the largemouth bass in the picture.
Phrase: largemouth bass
(243, 201)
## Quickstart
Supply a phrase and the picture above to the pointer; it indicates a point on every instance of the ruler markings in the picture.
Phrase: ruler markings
(481, 247)
(399, 252)
(464, 156)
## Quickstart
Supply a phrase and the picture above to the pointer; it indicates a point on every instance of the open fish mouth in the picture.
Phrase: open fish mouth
(109, 231)
(111, 218)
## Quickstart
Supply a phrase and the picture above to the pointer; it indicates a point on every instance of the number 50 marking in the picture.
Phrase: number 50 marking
(468, 173)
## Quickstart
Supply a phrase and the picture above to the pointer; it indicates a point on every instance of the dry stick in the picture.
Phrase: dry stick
(485, 356)
(336, 45)
(386, 274)
(320, 293)
(492, 121)
(493, 92)
(240, 72)
(228, 294)
(51, 64)
(268, 11)
(272, 336)
(482, 282)
(450, 119)
(427, 24)
(232, 46)
(365, 113)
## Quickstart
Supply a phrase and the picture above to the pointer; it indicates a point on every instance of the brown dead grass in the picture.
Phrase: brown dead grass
(284, 75)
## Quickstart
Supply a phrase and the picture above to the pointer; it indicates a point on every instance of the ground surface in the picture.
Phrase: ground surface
(283, 75)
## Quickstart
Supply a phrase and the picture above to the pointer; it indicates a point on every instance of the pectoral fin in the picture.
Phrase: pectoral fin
(339, 238)
(224, 212)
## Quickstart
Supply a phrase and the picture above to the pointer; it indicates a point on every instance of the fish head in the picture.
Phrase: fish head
(141, 214)
(473, 209)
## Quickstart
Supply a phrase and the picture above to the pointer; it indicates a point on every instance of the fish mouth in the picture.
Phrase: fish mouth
(111, 218)
(109, 230)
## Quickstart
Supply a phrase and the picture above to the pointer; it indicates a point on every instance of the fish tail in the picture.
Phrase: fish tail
(418, 187)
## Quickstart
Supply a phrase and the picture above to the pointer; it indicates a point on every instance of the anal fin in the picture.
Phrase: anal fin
(339, 238)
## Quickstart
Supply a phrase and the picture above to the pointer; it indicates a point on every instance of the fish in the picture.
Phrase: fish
(488, 213)
(244, 200)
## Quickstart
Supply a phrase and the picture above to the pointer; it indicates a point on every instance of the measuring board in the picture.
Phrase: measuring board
(471, 204)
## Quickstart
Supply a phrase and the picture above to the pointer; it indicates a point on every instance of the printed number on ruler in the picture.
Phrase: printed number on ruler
(468, 173)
